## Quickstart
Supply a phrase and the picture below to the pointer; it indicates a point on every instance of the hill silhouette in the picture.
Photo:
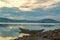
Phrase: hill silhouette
(48, 21)
(29, 21)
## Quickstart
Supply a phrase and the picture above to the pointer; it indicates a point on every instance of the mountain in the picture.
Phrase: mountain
(29, 21)
(48, 21)
(6, 20)
(12, 20)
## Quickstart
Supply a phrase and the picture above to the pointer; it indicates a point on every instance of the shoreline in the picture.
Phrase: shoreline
(47, 35)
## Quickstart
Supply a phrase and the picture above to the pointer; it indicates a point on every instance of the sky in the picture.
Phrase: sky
(30, 9)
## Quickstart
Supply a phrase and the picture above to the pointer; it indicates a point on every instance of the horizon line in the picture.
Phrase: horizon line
(23, 23)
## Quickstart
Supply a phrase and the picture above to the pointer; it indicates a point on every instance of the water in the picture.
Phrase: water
(12, 30)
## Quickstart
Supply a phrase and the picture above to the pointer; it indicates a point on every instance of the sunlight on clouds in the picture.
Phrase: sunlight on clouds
(50, 3)
(1, 4)
(13, 3)
(10, 16)
(16, 18)
(29, 5)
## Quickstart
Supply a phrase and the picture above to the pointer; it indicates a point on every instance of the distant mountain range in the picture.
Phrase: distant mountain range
(30, 21)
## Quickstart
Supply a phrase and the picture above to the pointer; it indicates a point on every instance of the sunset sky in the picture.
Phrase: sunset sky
(30, 9)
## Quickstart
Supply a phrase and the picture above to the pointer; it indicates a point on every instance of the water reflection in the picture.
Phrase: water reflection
(47, 25)
(11, 30)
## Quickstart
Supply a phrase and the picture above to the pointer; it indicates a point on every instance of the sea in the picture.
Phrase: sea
(11, 30)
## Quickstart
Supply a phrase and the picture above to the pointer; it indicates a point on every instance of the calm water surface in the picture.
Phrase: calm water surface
(12, 30)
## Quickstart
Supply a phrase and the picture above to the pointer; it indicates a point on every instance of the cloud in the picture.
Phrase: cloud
(50, 3)
(29, 5)
(14, 13)
(9, 16)
(56, 17)
(15, 17)
(25, 17)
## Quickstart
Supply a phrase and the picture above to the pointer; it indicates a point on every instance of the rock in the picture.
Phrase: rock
(47, 35)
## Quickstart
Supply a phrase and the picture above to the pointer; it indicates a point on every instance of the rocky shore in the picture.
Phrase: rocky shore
(47, 35)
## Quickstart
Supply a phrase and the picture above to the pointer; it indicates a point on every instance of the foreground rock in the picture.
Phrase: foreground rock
(47, 35)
